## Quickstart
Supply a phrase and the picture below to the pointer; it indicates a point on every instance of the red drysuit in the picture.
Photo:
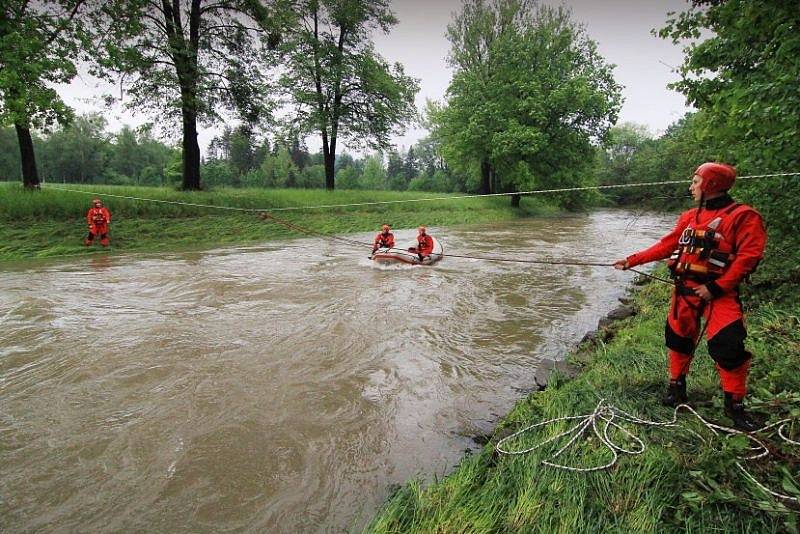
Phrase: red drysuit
(718, 245)
(98, 218)
(424, 245)
(383, 241)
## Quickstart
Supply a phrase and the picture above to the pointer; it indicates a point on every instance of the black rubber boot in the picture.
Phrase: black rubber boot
(735, 410)
(676, 392)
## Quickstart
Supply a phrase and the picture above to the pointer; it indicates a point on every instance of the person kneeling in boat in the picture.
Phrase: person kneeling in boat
(713, 248)
(384, 239)
(98, 218)
(424, 244)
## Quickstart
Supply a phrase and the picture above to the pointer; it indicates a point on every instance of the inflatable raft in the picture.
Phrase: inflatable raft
(404, 255)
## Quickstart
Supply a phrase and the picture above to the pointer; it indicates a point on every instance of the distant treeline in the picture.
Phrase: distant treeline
(85, 152)
(635, 155)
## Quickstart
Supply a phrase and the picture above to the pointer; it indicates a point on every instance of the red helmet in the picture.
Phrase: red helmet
(716, 177)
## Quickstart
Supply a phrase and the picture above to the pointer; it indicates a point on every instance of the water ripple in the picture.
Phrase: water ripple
(283, 387)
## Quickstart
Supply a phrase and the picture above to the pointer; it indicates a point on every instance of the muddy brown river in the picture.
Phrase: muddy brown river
(280, 388)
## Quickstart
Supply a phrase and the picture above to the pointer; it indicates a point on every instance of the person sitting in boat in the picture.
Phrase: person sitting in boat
(384, 239)
(98, 218)
(424, 244)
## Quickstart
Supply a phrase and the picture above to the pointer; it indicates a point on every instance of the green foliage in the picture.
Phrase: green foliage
(188, 61)
(633, 156)
(374, 176)
(190, 56)
(342, 88)
(137, 155)
(39, 44)
(279, 170)
(439, 181)
(220, 173)
(744, 79)
(77, 153)
(529, 100)
(84, 152)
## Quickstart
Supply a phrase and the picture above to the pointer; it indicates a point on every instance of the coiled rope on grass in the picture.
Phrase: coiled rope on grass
(606, 417)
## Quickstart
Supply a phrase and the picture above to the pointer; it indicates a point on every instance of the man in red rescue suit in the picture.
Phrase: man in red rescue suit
(384, 239)
(98, 218)
(424, 244)
(712, 249)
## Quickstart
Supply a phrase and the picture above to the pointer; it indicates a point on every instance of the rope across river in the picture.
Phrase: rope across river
(606, 422)
(267, 213)
(410, 200)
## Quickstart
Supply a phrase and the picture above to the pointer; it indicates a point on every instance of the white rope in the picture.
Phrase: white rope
(405, 201)
(605, 416)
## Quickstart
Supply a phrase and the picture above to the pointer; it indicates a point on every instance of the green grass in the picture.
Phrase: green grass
(51, 222)
(678, 484)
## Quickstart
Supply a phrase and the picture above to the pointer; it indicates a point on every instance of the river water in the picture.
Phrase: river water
(285, 387)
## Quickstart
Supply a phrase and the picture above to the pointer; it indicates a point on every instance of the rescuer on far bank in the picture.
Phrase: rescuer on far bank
(98, 218)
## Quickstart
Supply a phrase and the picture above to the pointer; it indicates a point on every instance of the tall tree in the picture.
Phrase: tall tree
(394, 164)
(530, 102)
(39, 44)
(220, 145)
(472, 35)
(374, 175)
(410, 165)
(744, 78)
(741, 71)
(242, 150)
(299, 151)
(342, 88)
(190, 59)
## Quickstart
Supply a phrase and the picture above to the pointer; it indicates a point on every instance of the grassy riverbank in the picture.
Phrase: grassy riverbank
(51, 222)
(678, 484)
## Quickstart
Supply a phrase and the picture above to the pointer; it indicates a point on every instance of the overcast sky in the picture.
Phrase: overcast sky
(620, 27)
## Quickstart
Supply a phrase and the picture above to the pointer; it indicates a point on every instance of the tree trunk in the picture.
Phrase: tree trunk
(191, 149)
(515, 200)
(329, 156)
(486, 178)
(30, 176)
(330, 170)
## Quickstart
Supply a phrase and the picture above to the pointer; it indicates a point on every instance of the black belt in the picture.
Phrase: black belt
(685, 291)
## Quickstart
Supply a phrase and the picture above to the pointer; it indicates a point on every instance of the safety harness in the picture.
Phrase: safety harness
(704, 253)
